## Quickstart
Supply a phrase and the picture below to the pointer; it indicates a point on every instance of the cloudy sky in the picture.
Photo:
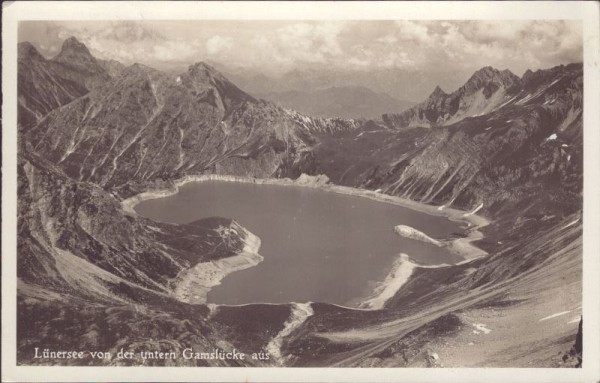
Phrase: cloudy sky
(279, 46)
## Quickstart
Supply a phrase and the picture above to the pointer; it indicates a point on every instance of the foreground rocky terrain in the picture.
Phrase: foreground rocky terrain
(90, 274)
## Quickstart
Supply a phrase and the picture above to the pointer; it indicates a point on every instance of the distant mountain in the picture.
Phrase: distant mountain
(343, 101)
(487, 89)
(402, 84)
(45, 84)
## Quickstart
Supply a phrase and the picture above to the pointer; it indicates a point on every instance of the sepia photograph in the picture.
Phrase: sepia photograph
(305, 192)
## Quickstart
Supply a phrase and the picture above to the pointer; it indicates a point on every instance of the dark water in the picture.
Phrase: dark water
(318, 246)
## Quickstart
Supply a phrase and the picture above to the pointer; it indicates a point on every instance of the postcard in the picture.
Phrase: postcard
(300, 191)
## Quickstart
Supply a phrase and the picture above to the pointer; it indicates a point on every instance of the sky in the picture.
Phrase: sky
(274, 47)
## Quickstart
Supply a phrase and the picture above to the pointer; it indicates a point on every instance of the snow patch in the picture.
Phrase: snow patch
(552, 137)
(482, 328)
(524, 100)
(412, 233)
(570, 224)
(473, 211)
(555, 315)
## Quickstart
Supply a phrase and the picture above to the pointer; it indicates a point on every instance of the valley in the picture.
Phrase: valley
(502, 152)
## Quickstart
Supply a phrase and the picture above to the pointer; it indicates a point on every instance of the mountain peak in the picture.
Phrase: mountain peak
(203, 72)
(490, 74)
(488, 69)
(437, 92)
(75, 46)
(76, 55)
(202, 66)
(201, 75)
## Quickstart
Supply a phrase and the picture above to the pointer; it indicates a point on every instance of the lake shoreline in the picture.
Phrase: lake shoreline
(193, 285)
(396, 277)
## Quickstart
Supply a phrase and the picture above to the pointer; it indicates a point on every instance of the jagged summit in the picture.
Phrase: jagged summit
(75, 52)
(73, 45)
(203, 70)
(437, 92)
(76, 55)
(489, 74)
(202, 75)
(487, 89)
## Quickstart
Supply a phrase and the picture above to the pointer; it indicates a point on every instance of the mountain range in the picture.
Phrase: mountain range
(342, 101)
(94, 132)
(411, 85)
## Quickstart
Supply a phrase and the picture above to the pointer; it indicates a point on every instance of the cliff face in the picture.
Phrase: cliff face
(93, 133)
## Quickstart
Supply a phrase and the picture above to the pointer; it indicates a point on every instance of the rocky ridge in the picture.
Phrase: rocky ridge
(487, 89)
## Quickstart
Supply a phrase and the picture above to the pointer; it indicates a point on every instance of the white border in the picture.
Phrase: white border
(586, 11)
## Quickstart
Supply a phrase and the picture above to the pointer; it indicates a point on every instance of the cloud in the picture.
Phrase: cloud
(298, 43)
(271, 46)
(130, 32)
(217, 43)
(176, 51)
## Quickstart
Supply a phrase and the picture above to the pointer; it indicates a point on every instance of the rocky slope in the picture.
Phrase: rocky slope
(91, 274)
(525, 155)
(483, 92)
(146, 126)
(44, 85)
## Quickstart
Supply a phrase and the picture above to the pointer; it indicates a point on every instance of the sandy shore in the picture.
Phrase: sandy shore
(401, 271)
(193, 284)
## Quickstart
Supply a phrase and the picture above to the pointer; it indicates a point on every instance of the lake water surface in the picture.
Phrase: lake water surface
(317, 246)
